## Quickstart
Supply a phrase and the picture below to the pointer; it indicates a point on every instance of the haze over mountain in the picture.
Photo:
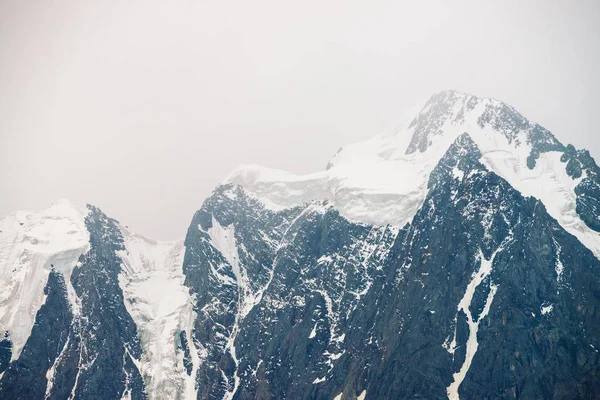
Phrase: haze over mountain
(143, 107)
(454, 256)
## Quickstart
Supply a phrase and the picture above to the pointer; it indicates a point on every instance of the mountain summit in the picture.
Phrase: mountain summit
(450, 109)
(456, 256)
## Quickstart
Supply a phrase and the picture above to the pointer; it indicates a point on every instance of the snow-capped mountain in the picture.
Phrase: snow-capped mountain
(384, 180)
(455, 256)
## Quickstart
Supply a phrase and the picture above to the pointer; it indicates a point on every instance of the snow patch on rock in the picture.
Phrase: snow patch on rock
(473, 322)
(546, 309)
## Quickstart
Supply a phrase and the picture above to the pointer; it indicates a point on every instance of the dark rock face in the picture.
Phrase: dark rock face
(580, 162)
(98, 360)
(187, 357)
(324, 268)
(225, 285)
(533, 321)
(315, 268)
(588, 201)
(542, 141)
(90, 350)
(25, 378)
(352, 308)
(5, 352)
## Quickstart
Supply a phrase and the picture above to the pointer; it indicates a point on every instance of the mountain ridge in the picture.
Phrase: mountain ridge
(284, 287)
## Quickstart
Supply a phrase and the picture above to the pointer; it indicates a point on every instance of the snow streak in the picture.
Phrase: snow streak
(473, 321)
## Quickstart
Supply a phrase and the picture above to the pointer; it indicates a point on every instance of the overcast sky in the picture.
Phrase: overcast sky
(141, 108)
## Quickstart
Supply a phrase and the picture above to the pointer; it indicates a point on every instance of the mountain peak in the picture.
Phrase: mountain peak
(453, 96)
(66, 206)
(462, 157)
(465, 145)
(452, 111)
(447, 107)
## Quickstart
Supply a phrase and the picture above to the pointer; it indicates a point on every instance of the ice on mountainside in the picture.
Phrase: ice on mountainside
(162, 308)
(383, 180)
(30, 244)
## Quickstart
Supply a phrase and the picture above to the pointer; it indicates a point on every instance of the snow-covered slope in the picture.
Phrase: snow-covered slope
(161, 306)
(30, 243)
(383, 180)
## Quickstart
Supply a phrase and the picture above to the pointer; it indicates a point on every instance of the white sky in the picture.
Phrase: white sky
(141, 108)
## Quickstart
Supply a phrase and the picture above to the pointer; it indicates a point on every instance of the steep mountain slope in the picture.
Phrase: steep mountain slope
(477, 300)
(456, 256)
(30, 244)
(479, 275)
